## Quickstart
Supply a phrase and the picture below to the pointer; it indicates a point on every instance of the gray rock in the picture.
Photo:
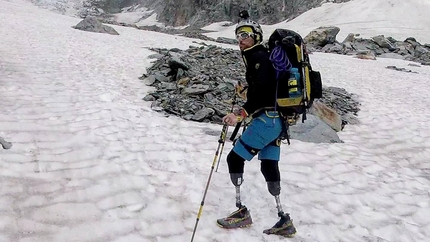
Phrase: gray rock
(420, 51)
(91, 24)
(383, 42)
(377, 46)
(176, 63)
(196, 89)
(333, 48)
(203, 114)
(314, 130)
(322, 36)
(6, 145)
(149, 97)
(166, 86)
(400, 69)
(412, 41)
(149, 80)
(160, 77)
(404, 48)
(415, 65)
(349, 38)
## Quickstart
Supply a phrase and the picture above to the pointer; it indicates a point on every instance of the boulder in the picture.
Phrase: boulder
(383, 42)
(314, 130)
(328, 115)
(322, 36)
(91, 24)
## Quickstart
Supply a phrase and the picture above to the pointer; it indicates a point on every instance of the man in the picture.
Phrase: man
(262, 135)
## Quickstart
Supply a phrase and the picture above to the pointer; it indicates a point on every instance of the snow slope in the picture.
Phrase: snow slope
(396, 18)
(91, 161)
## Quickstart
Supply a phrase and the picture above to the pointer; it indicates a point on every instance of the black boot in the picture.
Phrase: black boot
(283, 227)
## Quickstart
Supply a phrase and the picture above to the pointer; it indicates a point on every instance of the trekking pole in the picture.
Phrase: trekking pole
(220, 142)
(238, 125)
(235, 131)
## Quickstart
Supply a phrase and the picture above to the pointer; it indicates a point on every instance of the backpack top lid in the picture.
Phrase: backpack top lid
(284, 37)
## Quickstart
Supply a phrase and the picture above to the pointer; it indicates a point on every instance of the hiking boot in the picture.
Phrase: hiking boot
(238, 219)
(284, 227)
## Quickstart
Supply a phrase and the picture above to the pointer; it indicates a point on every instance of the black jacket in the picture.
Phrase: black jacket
(261, 78)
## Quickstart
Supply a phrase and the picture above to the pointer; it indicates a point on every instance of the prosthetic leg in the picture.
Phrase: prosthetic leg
(284, 226)
(241, 217)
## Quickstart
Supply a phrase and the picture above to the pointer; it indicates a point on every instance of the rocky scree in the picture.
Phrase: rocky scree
(199, 84)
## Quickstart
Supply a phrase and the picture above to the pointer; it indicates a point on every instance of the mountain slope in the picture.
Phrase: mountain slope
(396, 18)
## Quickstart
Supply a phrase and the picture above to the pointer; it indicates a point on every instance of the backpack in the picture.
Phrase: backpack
(297, 84)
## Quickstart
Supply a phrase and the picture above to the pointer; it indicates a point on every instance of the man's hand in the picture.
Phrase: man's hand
(235, 117)
(230, 119)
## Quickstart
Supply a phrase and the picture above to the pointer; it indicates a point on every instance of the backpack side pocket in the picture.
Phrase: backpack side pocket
(316, 84)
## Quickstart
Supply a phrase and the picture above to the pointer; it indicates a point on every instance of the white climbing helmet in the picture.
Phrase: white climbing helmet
(246, 22)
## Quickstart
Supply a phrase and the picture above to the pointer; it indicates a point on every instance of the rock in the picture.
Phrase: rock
(333, 48)
(412, 41)
(6, 145)
(400, 69)
(328, 115)
(149, 97)
(411, 64)
(183, 81)
(366, 55)
(322, 36)
(343, 102)
(420, 51)
(391, 56)
(91, 24)
(160, 77)
(176, 63)
(196, 89)
(392, 40)
(404, 48)
(383, 42)
(149, 80)
(314, 130)
(203, 114)
(349, 38)
(377, 46)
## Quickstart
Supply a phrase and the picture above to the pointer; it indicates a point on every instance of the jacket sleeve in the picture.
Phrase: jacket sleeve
(257, 76)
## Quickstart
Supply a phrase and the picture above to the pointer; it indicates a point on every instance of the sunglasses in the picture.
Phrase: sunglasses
(244, 35)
